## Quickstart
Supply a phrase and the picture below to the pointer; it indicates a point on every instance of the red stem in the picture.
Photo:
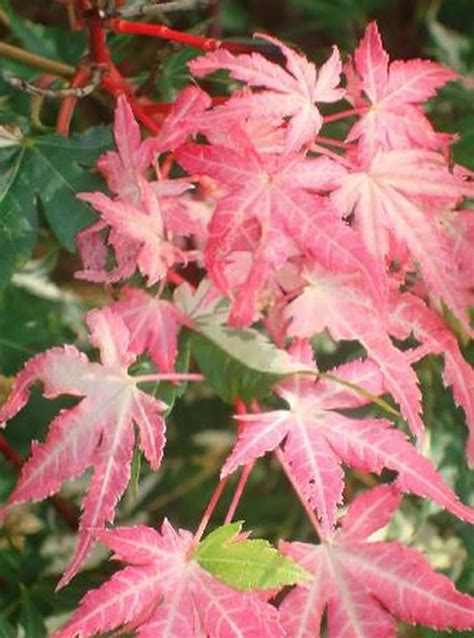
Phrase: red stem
(209, 510)
(239, 490)
(99, 51)
(247, 470)
(330, 142)
(68, 105)
(177, 279)
(9, 453)
(162, 31)
(343, 114)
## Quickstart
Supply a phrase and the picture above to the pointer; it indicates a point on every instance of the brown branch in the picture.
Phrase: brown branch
(37, 61)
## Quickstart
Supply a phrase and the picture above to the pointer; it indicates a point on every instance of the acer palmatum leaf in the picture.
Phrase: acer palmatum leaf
(339, 298)
(410, 315)
(140, 229)
(98, 431)
(316, 440)
(92, 244)
(365, 586)
(123, 168)
(392, 94)
(181, 120)
(292, 92)
(164, 592)
(265, 211)
(153, 324)
(396, 199)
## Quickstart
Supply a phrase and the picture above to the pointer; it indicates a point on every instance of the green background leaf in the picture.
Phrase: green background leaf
(239, 363)
(46, 171)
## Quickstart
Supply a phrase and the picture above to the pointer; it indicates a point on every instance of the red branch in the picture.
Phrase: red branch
(68, 105)
(9, 453)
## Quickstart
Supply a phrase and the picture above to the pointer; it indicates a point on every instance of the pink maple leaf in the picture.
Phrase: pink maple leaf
(392, 94)
(123, 168)
(181, 120)
(396, 201)
(97, 432)
(137, 234)
(410, 315)
(265, 211)
(365, 586)
(316, 439)
(153, 324)
(292, 92)
(344, 302)
(164, 592)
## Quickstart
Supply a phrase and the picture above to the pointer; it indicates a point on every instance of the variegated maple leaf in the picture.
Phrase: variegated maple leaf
(153, 324)
(136, 232)
(123, 168)
(392, 94)
(165, 593)
(267, 211)
(365, 586)
(97, 432)
(140, 223)
(409, 315)
(396, 202)
(341, 300)
(292, 92)
(316, 439)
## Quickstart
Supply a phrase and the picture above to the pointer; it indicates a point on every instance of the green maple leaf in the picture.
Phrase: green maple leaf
(45, 172)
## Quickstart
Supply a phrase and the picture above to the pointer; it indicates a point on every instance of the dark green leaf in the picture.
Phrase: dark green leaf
(49, 170)
(51, 42)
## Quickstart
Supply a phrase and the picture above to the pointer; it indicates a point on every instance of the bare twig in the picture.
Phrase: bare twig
(77, 92)
(156, 7)
(37, 61)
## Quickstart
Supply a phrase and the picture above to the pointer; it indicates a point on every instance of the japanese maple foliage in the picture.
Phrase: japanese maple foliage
(365, 585)
(97, 432)
(288, 240)
(164, 592)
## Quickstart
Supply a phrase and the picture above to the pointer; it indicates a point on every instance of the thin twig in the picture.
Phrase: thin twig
(156, 7)
(78, 92)
(36, 61)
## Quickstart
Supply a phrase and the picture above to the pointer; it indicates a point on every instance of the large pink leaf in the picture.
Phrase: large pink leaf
(396, 200)
(97, 432)
(346, 305)
(292, 92)
(265, 211)
(153, 324)
(316, 440)
(123, 168)
(368, 585)
(392, 95)
(410, 315)
(166, 593)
